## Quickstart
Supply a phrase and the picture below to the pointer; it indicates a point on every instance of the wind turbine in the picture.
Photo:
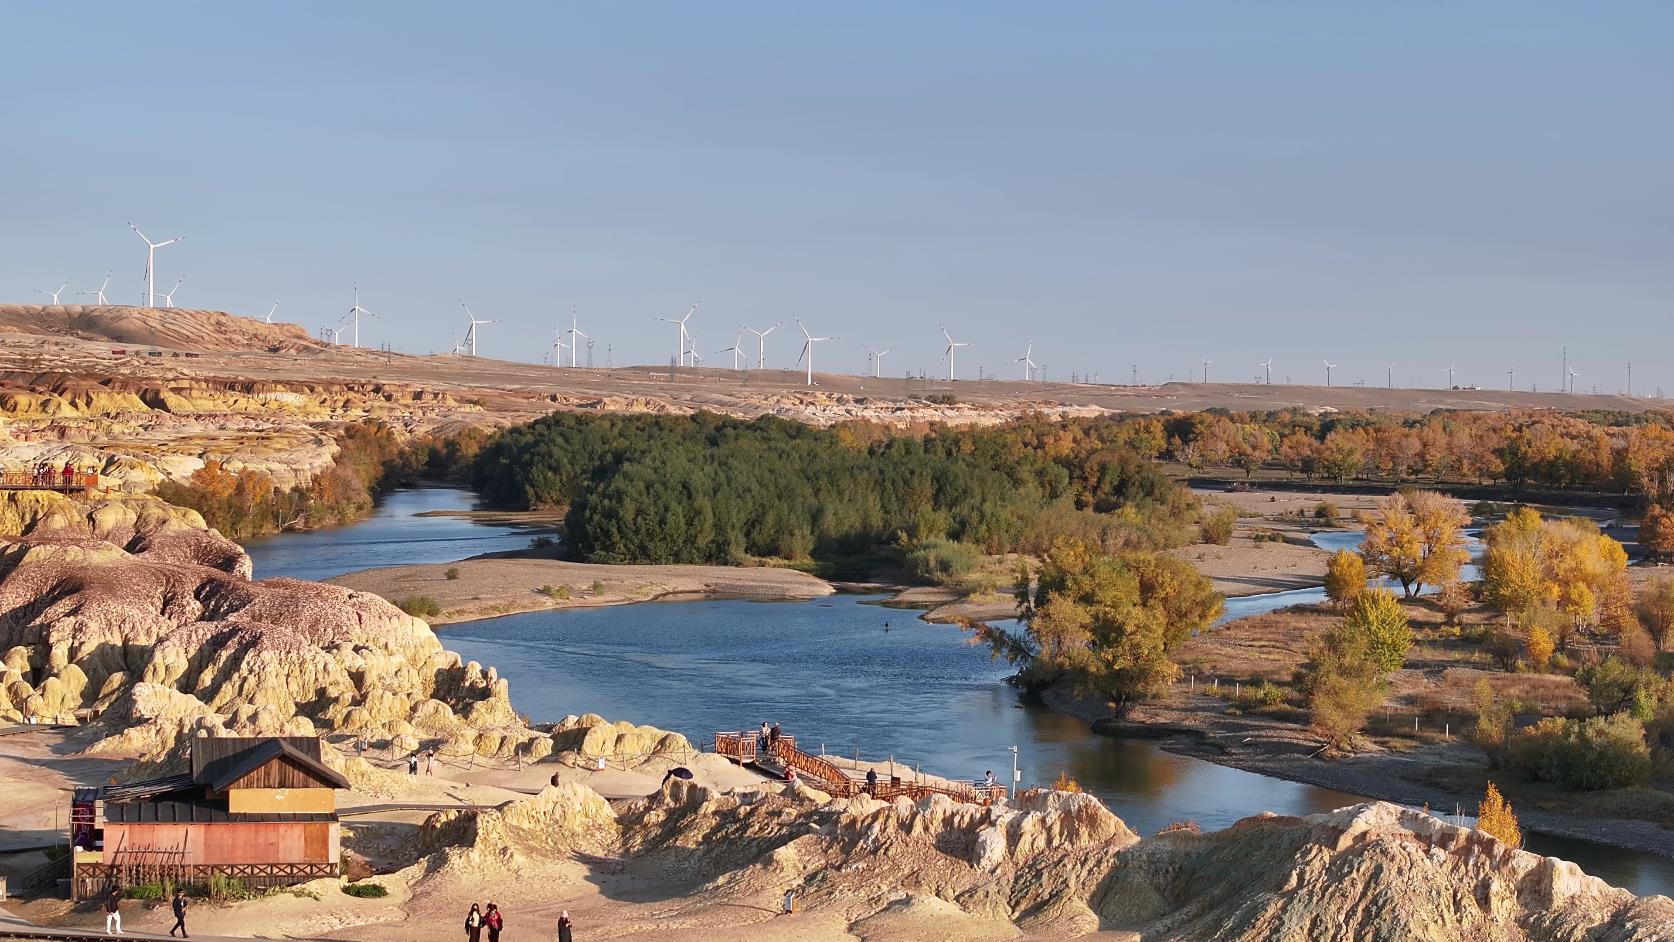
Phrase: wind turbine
(574, 333)
(877, 359)
(761, 343)
(1389, 376)
(808, 341)
(1450, 367)
(1268, 366)
(337, 332)
(685, 337)
(1206, 369)
(734, 350)
(1573, 372)
(270, 311)
(1028, 364)
(168, 299)
(1328, 367)
(99, 295)
(1510, 379)
(54, 294)
(952, 345)
(355, 313)
(151, 263)
(471, 331)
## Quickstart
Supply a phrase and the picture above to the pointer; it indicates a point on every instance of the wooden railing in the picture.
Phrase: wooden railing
(94, 879)
(742, 747)
(48, 481)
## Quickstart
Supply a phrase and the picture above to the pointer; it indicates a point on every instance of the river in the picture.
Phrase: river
(829, 673)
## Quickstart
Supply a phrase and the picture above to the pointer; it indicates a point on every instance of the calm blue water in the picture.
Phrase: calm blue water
(828, 673)
(393, 536)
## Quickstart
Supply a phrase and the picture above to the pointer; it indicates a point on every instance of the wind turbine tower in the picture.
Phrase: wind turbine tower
(1389, 376)
(877, 360)
(685, 338)
(54, 294)
(952, 345)
(1328, 367)
(168, 299)
(1206, 369)
(471, 331)
(734, 350)
(808, 341)
(1268, 366)
(1450, 367)
(1028, 364)
(151, 263)
(355, 313)
(574, 333)
(761, 343)
(99, 295)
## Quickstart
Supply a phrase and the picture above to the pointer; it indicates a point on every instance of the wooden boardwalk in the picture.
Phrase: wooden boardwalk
(49, 481)
(842, 783)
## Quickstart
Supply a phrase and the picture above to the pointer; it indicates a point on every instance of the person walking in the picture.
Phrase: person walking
(495, 922)
(871, 781)
(430, 763)
(179, 907)
(473, 924)
(564, 927)
(412, 764)
(113, 912)
(790, 902)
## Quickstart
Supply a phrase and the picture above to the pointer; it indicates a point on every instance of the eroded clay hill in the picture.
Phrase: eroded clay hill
(1058, 866)
(175, 328)
(131, 606)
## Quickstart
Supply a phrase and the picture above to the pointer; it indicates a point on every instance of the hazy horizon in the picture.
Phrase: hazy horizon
(1150, 183)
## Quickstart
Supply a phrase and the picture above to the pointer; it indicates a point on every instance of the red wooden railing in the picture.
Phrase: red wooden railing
(742, 747)
(48, 481)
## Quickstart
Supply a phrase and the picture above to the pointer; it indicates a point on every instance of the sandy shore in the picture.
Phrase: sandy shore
(488, 587)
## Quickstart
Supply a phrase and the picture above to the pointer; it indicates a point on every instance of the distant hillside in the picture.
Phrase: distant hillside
(175, 328)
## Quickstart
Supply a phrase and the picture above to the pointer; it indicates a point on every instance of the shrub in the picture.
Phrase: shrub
(419, 606)
(223, 888)
(452, 573)
(1065, 783)
(1325, 510)
(1598, 752)
(1540, 647)
(943, 562)
(598, 587)
(559, 592)
(1452, 601)
(365, 890)
(1345, 577)
(1377, 617)
(162, 890)
(542, 542)
(1494, 816)
(1216, 526)
(1614, 685)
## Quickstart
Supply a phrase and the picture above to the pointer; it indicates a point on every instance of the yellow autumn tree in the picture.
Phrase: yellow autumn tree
(1494, 816)
(1345, 577)
(1416, 538)
(1540, 647)
(1563, 566)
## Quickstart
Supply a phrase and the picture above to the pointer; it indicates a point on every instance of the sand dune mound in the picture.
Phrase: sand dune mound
(176, 328)
(562, 819)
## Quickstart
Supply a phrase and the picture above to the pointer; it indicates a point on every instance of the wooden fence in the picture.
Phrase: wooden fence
(96, 879)
(742, 748)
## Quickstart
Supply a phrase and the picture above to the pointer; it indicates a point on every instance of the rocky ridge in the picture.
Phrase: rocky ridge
(133, 608)
(1061, 865)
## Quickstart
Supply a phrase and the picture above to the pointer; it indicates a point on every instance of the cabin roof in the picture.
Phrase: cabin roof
(128, 791)
(228, 767)
(197, 811)
(212, 754)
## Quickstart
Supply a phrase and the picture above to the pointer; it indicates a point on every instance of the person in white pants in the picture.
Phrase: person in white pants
(113, 913)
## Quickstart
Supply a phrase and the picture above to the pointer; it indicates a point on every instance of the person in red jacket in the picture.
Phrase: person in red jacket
(494, 921)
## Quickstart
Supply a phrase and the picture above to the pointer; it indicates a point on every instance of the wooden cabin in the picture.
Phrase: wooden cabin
(262, 810)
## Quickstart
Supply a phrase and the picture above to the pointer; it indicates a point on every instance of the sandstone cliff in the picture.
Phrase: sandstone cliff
(131, 606)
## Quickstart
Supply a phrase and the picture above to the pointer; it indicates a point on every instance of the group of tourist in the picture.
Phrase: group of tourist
(477, 920)
(767, 738)
(429, 763)
(45, 475)
(113, 912)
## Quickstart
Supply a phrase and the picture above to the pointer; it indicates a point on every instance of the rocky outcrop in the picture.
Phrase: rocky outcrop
(562, 819)
(1061, 865)
(133, 606)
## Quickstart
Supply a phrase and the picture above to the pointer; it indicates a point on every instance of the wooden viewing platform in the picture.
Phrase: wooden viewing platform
(742, 748)
(49, 481)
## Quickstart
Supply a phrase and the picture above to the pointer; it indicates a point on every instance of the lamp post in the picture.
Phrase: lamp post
(1016, 776)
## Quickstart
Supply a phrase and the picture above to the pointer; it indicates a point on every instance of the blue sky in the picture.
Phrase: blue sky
(1119, 183)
